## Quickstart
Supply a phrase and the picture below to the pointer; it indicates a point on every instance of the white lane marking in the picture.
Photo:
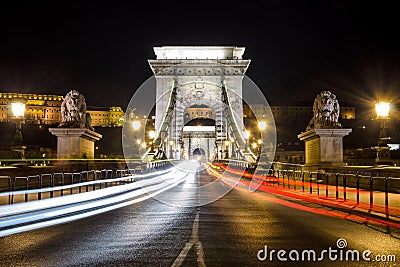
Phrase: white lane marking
(181, 257)
(195, 242)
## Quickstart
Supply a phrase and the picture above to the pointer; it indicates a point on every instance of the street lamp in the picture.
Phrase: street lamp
(382, 149)
(262, 125)
(246, 135)
(382, 110)
(254, 145)
(18, 110)
(152, 134)
(136, 125)
(171, 144)
(136, 128)
(227, 143)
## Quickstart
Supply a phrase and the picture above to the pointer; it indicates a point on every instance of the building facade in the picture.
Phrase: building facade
(46, 109)
(39, 109)
(111, 117)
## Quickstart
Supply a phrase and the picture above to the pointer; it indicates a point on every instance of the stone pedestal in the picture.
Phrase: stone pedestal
(74, 144)
(324, 147)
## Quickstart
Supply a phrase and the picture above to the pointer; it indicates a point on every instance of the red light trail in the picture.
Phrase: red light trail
(266, 185)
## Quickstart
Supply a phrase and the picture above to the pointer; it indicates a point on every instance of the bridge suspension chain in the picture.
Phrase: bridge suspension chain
(240, 141)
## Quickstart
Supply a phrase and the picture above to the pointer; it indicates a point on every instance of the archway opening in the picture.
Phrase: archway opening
(199, 154)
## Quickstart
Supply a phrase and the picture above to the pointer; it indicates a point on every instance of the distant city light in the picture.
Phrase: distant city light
(254, 145)
(246, 134)
(152, 134)
(382, 109)
(262, 125)
(18, 109)
(136, 125)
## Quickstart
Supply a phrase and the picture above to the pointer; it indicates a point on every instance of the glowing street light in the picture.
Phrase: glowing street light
(18, 109)
(382, 149)
(246, 134)
(262, 125)
(171, 150)
(382, 110)
(152, 134)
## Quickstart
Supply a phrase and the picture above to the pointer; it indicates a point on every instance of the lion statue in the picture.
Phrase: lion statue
(326, 112)
(73, 111)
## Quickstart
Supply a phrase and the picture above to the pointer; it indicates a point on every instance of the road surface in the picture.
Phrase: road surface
(231, 231)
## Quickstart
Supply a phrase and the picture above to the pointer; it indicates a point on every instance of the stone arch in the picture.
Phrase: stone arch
(199, 154)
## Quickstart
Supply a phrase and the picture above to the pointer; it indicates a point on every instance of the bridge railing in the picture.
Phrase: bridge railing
(370, 190)
(342, 186)
(49, 185)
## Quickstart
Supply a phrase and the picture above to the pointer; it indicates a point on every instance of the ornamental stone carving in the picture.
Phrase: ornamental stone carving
(73, 111)
(326, 112)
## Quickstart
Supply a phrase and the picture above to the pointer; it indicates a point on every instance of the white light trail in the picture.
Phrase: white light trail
(85, 204)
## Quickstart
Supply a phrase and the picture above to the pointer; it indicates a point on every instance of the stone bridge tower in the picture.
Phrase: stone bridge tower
(199, 75)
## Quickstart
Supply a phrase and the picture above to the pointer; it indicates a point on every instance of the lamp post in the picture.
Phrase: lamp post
(171, 151)
(382, 149)
(136, 128)
(152, 135)
(136, 125)
(246, 135)
(262, 126)
(227, 143)
(18, 110)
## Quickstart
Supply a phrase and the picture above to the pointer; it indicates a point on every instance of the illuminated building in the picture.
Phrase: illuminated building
(101, 116)
(46, 109)
(39, 109)
(199, 112)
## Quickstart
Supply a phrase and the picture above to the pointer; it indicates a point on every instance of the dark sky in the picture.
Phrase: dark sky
(297, 48)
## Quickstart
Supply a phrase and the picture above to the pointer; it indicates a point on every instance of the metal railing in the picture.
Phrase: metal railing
(49, 185)
(342, 186)
(323, 183)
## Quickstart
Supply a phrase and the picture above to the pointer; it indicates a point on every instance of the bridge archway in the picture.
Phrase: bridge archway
(214, 79)
(198, 135)
(199, 154)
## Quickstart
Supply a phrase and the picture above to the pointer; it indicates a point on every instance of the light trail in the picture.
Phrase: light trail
(64, 187)
(37, 214)
(267, 183)
(85, 196)
(243, 184)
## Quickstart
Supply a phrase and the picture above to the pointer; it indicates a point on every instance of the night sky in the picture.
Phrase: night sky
(297, 50)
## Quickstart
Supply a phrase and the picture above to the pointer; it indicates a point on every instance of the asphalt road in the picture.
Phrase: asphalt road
(228, 232)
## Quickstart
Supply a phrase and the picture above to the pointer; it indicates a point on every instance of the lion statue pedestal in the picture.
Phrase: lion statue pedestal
(324, 136)
(75, 143)
(75, 135)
